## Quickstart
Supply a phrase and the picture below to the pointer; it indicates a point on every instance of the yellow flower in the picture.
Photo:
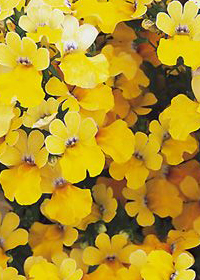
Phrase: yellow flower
(46, 240)
(139, 206)
(66, 198)
(160, 265)
(172, 149)
(10, 236)
(42, 115)
(104, 206)
(43, 21)
(25, 62)
(180, 241)
(186, 110)
(6, 8)
(10, 273)
(25, 158)
(144, 159)
(114, 252)
(75, 140)
(183, 26)
(78, 69)
(98, 98)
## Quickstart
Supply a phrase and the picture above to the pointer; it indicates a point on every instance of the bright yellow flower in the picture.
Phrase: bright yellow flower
(66, 198)
(183, 26)
(10, 236)
(138, 206)
(186, 110)
(144, 159)
(46, 240)
(25, 158)
(160, 265)
(180, 241)
(6, 8)
(173, 150)
(10, 273)
(75, 140)
(43, 21)
(104, 206)
(42, 115)
(98, 98)
(25, 62)
(78, 69)
(114, 252)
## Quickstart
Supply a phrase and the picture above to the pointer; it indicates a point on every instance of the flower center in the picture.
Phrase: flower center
(138, 155)
(182, 29)
(24, 61)
(71, 141)
(59, 182)
(67, 3)
(70, 46)
(28, 159)
(111, 258)
(173, 276)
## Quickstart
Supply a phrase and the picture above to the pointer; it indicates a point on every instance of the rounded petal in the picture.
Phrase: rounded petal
(55, 145)
(16, 238)
(86, 35)
(9, 224)
(92, 256)
(41, 59)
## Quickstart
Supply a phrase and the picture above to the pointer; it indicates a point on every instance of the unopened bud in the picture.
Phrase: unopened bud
(149, 25)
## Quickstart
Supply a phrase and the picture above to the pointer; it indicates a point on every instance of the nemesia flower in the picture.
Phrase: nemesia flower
(145, 158)
(185, 109)
(114, 252)
(25, 62)
(161, 265)
(183, 27)
(139, 206)
(43, 21)
(75, 140)
(63, 5)
(25, 159)
(173, 150)
(46, 240)
(180, 241)
(74, 43)
(104, 206)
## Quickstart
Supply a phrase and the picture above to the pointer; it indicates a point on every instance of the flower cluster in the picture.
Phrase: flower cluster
(99, 140)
